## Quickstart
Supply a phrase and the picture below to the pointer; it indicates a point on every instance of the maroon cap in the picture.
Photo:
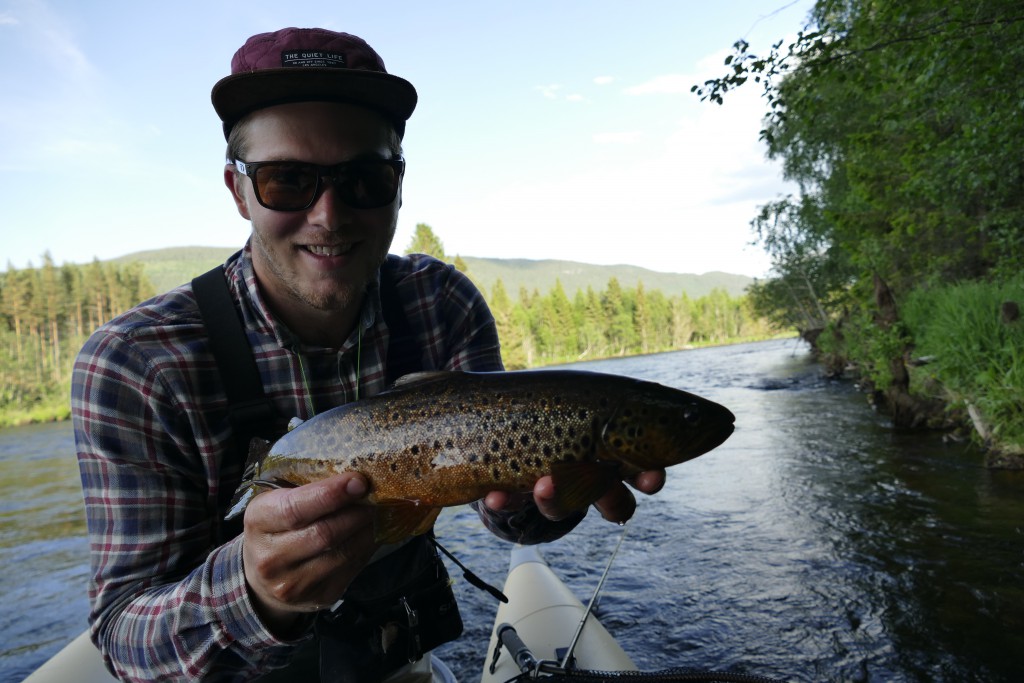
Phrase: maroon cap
(310, 65)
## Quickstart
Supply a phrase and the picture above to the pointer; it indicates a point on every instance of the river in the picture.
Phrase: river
(817, 544)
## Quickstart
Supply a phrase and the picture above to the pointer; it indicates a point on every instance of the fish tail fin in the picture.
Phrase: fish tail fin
(258, 449)
(396, 520)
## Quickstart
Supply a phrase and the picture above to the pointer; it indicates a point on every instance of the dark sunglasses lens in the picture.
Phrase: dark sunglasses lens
(286, 187)
(370, 183)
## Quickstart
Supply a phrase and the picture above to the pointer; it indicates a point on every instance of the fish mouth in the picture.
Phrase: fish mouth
(726, 425)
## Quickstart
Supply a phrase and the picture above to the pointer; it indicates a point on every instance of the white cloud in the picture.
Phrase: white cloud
(603, 80)
(8, 20)
(549, 91)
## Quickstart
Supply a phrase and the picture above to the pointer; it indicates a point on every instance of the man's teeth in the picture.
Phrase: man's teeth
(328, 251)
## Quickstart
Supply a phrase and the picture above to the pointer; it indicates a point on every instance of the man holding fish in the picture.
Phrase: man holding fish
(314, 127)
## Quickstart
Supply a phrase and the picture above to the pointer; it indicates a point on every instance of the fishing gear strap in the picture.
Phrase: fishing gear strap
(250, 412)
(405, 606)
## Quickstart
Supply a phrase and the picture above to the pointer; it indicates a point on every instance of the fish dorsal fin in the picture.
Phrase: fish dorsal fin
(414, 378)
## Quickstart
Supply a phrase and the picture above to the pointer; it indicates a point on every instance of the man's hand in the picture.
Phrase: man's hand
(302, 547)
(616, 505)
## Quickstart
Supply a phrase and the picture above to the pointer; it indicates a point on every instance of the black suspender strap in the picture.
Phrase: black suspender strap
(249, 410)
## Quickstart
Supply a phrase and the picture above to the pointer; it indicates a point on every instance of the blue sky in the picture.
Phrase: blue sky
(545, 129)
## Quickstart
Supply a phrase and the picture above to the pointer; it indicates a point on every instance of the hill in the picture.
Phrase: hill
(172, 266)
(542, 274)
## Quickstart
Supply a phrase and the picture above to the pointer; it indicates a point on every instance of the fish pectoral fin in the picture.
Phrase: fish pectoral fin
(578, 484)
(394, 521)
(258, 449)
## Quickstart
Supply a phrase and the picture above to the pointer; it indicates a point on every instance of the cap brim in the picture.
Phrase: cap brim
(236, 95)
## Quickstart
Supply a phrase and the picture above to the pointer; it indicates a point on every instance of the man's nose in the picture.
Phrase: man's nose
(329, 210)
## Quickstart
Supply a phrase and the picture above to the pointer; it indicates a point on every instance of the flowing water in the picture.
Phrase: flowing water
(817, 544)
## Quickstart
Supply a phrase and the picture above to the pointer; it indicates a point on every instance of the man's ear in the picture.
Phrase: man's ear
(236, 185)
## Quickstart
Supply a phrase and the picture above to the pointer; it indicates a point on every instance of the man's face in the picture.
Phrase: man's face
(320, 259)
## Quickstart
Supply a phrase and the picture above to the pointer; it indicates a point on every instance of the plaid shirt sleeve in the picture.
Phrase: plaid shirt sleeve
(165, 607)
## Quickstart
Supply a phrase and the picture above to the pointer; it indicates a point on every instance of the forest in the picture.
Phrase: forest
(901, 256)
(47, 312)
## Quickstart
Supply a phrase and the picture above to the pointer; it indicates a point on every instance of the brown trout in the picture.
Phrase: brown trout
(438, 439)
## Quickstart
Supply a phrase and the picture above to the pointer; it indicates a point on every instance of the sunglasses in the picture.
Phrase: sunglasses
(366, 183)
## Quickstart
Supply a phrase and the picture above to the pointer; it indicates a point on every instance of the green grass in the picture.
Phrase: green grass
(49, 409)
(978, 357)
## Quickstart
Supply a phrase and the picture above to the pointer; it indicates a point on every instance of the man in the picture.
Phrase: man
(314, 127)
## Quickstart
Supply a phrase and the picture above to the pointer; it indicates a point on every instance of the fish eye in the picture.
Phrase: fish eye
(691, 413)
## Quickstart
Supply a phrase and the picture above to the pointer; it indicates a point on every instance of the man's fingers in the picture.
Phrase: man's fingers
(287, 509)
(618, 505)
(649, 482)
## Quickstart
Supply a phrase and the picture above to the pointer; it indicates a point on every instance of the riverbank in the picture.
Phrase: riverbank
(56, 408)
(947, 357)
(51, 409)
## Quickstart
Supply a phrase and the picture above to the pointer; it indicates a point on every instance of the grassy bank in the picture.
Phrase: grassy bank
(49, 409)
(957, 351)
(971, 336)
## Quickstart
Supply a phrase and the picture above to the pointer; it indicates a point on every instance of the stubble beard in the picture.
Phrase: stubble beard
(337, 297)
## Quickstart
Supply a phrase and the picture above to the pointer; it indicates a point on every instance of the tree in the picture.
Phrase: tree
(900, 121)
(424, 241)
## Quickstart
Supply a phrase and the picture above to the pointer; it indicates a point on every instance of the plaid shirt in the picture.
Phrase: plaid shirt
(158, 464)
